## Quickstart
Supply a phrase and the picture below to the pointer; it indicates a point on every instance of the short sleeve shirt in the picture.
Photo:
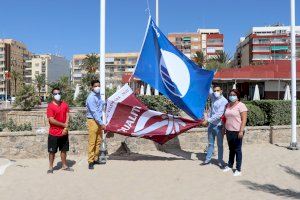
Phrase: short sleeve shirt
(233, 116)
(59, 113)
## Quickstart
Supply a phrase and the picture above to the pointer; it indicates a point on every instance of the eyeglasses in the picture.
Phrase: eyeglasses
(54, 94)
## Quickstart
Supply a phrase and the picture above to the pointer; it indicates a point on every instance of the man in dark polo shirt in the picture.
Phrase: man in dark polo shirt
(58, 116)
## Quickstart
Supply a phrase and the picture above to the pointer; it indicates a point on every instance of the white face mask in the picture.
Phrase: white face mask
(217, 94)
(97, 90)
(57, 97)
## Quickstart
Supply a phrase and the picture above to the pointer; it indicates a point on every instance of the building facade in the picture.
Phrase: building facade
(271, 78)
(209, 41)
(265, 44)
(52, 67)
(116, 64)
(13, 56)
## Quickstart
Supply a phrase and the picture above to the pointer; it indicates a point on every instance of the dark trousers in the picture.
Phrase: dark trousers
(235, 149)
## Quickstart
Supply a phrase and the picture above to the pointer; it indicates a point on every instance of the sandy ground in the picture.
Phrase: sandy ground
(269, 172)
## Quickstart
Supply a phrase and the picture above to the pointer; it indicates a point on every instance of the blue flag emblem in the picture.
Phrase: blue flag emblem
(174, 75)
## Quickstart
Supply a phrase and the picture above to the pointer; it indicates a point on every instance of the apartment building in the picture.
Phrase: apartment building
(116, 64)
(265, 44)
(13, 56)
(52, 67)
(209, 41)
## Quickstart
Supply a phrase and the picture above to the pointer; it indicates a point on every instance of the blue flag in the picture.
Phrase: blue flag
(166, 69)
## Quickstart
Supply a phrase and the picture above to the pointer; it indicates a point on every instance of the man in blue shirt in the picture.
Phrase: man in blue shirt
(215, 124)
(94, 106)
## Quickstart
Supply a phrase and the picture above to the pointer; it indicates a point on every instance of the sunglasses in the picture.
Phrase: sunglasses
(54, 94)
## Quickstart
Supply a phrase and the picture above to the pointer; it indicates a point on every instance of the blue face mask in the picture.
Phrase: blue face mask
(233, 98)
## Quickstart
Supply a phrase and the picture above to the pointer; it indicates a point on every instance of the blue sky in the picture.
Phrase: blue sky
(71, 27)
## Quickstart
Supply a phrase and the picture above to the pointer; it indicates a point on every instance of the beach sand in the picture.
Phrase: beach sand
(269, 172)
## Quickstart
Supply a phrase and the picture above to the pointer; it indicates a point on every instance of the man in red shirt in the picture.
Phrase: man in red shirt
(58, 116)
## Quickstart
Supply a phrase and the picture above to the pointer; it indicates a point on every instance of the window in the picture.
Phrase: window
(37, 64)
(261, 49)
(195, 39)
(1, 55)
(195, 47)
(1, 62)
(261, 41)
(1, 49)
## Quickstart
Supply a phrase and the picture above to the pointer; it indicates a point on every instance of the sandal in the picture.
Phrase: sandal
(50, 171)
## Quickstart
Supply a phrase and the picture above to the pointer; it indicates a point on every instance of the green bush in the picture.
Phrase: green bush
(81, 98)
(2, 126)
(26, 98)
(256, 117)
(78, 122)
(66, 89)
(13, 127)
(160, 103)
(277, 112)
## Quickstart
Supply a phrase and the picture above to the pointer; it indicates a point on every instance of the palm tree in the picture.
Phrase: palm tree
(199, 58)
(16, 76)
(221, 60)
(222, 57)
(40, 82)
(90, 63)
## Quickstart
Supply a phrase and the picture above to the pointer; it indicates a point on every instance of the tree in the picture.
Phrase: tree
(26, 98)
(222, 57)
(16, 76)
(66, 89)
(221, 60)
(90, 63)
(40, 82)
(199, 58)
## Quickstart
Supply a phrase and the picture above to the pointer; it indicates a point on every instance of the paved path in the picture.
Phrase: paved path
(269, 172)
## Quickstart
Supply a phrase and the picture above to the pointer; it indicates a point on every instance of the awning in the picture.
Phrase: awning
(279, 48)
(186, 39)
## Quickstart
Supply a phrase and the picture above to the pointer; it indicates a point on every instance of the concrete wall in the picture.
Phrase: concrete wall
(34, 144)
(36, 117)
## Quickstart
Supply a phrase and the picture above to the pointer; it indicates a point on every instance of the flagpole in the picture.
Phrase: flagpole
(102, 156)
(293, 145)
(102, 49)
(157, 24)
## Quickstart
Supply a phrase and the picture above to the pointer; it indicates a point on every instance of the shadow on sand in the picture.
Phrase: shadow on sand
(124, 153)
(272, 189)
(70, 163)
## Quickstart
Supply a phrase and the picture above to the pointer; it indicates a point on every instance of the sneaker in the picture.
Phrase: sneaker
(227, 169)
(97, 162)
(91, 165)
(237, 173)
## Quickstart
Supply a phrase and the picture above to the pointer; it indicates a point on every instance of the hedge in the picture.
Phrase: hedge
(277, 112)
(160, 103)
(256, 117)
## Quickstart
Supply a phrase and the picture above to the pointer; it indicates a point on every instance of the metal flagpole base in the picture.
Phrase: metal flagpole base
(293, 146)
(103, 152)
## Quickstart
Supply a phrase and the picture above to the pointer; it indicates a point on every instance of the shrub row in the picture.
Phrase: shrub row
(276, 112)
(12, 127)
(160, 103)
